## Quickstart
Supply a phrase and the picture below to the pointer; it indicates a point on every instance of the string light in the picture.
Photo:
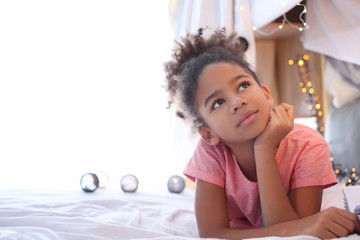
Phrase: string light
(306, 86)
(344, 177)
(284, 21)
(302, 14)
(353, 179)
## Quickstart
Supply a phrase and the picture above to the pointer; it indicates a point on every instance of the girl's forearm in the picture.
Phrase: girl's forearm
(275, 204)
(328, 224)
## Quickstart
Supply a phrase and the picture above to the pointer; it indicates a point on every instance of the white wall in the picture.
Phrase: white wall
(80, 91)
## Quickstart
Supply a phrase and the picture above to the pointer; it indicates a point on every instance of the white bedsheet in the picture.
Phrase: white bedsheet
(106, 214)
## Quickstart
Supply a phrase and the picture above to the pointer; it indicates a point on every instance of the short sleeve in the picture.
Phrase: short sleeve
(313, 167)
(206, 164)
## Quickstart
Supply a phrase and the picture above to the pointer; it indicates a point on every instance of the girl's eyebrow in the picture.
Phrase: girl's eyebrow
(234, 79)
(238, 77)
(211, 96)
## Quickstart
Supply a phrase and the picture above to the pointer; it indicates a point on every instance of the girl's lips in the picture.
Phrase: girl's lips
(247, 117)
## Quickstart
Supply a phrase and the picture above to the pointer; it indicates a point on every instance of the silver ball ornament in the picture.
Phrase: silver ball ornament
(89, 182)
(129, 183)
(176, 184)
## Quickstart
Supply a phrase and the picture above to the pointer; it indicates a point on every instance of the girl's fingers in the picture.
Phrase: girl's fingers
(285, 113)
(336, 231)
(287, 109)
(342, 222)
(341, 227)
(351, 221)
(290, 109)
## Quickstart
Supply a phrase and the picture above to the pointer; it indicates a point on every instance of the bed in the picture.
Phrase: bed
(109, 214)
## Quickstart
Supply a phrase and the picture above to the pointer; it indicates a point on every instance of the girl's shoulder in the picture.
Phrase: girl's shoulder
(220, 152)
(303, 132)
(202, 144)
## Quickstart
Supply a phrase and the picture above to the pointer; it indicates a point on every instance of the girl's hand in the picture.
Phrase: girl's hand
(330, 223)
(281, 122)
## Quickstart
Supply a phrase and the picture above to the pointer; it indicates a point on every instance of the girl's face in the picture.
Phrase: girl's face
(233, 106)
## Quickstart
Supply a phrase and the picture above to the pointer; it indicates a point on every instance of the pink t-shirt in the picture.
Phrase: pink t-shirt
(303, 159)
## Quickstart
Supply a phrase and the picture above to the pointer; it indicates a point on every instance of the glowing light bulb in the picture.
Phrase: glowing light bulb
(306, 57)
(318, 106)
(311, 90)
(129, 183)
(291, 62)
(103, 179)
(304, 90)
(176, 184)
(300, 62)
(308, 84)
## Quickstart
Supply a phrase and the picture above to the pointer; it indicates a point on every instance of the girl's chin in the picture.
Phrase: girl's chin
(262, 129)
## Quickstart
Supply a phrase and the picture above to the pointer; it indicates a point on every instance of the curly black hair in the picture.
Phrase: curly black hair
(190, 56)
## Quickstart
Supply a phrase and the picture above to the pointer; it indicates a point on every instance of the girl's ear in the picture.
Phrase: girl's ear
(208, 135)
(268, 95)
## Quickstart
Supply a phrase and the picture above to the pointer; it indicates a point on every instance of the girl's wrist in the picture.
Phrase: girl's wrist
(265, 149)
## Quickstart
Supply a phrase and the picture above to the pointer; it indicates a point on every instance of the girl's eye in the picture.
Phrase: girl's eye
(217, 103)
(243, 85)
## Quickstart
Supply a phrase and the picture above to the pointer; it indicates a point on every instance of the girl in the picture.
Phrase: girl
(257, 173)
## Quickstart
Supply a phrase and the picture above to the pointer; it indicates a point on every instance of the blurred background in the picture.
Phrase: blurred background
(81, 82)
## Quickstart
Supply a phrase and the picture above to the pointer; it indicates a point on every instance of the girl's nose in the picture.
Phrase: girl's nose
(238, 102)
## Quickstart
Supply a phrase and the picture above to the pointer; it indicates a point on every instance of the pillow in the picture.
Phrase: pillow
(342, 133)
(341, 91)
